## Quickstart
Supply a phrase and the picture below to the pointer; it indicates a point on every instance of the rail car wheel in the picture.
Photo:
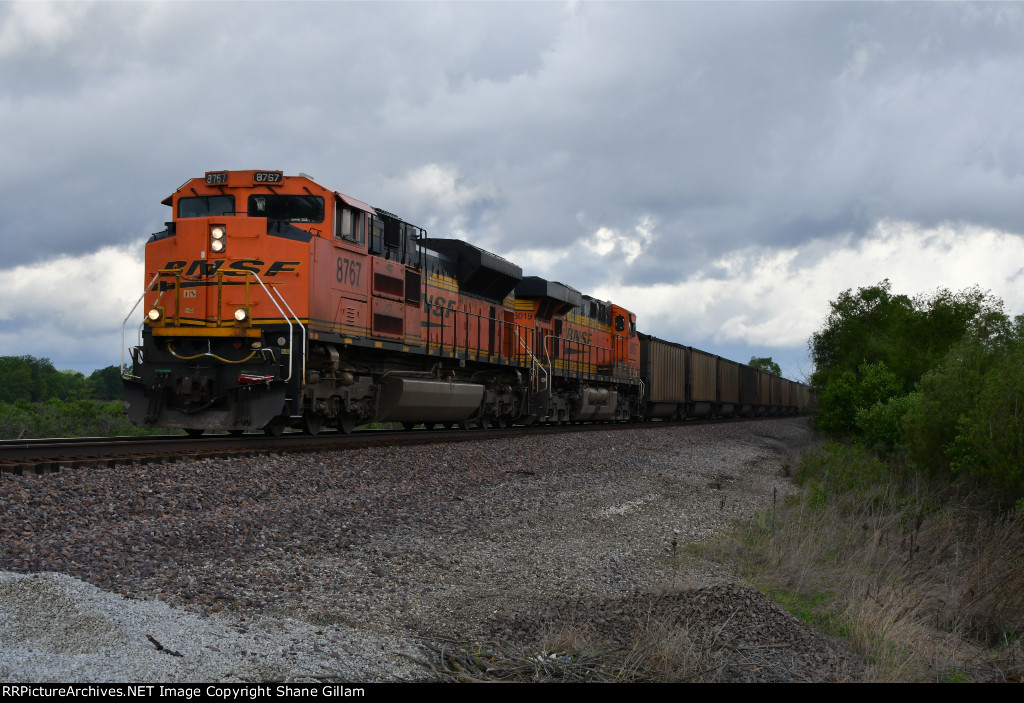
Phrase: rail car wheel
(347, 423)
(429, 425)
(275, 428)
(408, 425)
(465, 424)
(194, 431)
(312, 423)
(500, 422)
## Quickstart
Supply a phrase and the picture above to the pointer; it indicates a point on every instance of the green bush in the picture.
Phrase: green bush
(850, 393)
(969, 421)
(876, 345)
(881, 424)
(57, 418)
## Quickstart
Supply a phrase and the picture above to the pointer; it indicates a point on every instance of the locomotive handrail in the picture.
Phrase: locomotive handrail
(125, 323)
(568, 363)
(536, 361)
(270, 294)
(500, 325)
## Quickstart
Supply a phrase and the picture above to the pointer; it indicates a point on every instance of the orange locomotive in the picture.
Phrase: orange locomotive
(272, 301)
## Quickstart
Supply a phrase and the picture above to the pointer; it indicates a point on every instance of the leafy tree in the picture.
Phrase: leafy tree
(26, 378)
(15, 379)
(106, 383)
(765, 363)
(877, 345)
(969, 419)
(862, 328)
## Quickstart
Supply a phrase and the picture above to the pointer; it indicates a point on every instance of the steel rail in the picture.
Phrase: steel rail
(52, 454)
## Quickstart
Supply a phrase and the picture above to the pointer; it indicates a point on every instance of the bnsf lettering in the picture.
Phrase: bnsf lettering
(349, 271)
(206, 269)
(281, 267)
(203, 268)
(441, 306)
(237, 268)
(579, 336)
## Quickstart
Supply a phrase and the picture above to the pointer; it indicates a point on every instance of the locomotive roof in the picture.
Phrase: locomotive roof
(479, 271)
(242, 179)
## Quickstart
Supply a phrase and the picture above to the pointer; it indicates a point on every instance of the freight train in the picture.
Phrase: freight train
(272, 302)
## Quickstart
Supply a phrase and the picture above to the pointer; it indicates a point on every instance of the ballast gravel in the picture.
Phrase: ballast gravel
(356, 565)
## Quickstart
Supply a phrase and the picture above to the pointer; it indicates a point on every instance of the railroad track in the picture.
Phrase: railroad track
(39, 456)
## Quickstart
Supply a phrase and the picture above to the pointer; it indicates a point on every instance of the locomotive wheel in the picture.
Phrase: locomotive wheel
(312, 423)
(347, 423)
(275, 428)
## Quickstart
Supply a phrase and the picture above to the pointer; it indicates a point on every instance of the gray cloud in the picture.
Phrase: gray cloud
(523, 126)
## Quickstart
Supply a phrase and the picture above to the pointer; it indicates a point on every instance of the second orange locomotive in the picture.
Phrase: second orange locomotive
(272, 301)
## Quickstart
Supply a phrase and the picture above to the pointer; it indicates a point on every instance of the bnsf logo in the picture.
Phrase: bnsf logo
(574, 335)
(205, 269)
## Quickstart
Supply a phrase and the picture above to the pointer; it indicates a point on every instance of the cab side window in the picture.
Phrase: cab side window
(349, 224)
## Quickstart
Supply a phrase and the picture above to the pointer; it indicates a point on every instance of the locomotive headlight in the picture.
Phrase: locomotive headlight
(154, 314)
(241, 314)
(217, 238)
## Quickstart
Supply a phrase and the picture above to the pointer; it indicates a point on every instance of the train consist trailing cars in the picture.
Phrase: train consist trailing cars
(273, 302)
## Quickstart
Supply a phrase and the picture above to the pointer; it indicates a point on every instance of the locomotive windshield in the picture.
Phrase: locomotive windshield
(206, 206)
(290, 208)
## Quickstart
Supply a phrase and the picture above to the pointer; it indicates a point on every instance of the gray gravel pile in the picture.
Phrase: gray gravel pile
(359, 557)
(54, 628)
(718, 633)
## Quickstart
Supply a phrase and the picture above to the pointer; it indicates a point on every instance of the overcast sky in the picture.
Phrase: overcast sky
(725, 170)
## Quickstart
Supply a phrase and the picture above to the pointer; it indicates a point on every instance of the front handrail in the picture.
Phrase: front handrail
(270, 291)
(272, 294)
(125, 323)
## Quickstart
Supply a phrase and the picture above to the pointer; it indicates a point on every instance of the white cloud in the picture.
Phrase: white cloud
(38, 27)
(629, 246)
(777, 297)
(84, 296)
(442, 187)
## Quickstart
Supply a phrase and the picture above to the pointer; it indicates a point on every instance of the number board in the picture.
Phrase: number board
(216, 177)
(267, 177)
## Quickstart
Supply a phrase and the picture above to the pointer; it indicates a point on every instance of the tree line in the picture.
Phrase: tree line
(31, 380)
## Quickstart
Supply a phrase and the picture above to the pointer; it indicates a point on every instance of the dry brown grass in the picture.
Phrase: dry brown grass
(574, 653)
(924, 586)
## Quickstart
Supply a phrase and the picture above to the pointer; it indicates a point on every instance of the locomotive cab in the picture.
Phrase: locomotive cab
(222, 341)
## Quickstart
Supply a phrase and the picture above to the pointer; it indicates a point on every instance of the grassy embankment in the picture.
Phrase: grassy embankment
(923, 577)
